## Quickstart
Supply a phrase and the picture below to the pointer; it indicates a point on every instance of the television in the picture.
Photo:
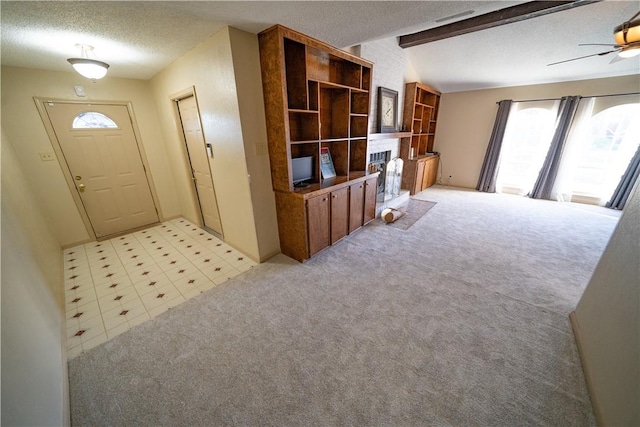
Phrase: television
(302, 170)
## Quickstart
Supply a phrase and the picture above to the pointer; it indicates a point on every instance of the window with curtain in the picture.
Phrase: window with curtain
(603, 141)
(612, 140)
(525, 145)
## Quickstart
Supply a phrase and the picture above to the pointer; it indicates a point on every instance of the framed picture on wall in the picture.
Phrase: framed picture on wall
(387, 110)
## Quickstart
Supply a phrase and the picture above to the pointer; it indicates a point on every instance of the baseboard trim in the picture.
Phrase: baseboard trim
(586, 369)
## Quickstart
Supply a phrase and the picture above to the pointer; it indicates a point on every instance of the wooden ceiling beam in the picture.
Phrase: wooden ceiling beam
(504, 16)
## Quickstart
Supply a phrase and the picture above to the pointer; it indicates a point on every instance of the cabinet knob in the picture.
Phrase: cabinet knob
(334, 196)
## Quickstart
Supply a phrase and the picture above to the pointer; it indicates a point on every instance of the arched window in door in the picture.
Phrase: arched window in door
(93, 120)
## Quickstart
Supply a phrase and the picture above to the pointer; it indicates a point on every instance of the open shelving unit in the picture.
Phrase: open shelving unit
(420, 116)
(316, 96)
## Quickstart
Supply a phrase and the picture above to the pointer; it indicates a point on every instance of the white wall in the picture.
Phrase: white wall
(25, 128)
(390, 63)
(607, 324)
(209, 67)
(34, 373)
(465, 120)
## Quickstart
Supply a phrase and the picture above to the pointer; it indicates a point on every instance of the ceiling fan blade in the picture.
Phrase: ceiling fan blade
(582, 57)
(616, 58)
(597, 44)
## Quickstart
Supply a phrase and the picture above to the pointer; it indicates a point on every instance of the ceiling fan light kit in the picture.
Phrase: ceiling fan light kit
(87, 67)
(627, 37)
(629, 32)
(630, 52)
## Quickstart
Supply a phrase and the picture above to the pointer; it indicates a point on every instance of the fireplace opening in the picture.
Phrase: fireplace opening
(378, 163)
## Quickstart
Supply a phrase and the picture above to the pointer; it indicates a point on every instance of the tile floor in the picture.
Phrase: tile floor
(113, 285)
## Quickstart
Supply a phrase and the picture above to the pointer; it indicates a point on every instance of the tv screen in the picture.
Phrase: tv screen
(302, 169)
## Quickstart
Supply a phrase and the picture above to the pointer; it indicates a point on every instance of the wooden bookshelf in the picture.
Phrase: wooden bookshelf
(316, 96)
(420, 115)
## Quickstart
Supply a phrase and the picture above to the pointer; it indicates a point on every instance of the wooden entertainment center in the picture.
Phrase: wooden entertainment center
(316, 97)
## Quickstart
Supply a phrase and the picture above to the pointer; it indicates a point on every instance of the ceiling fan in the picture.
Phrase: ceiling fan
(627, 37)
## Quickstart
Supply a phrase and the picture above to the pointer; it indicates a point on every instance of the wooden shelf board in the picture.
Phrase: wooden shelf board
(295, 110)
(421, 157)
(326, 185)
(377, 136)
(332, 85)
(340, 139)
(310, 141)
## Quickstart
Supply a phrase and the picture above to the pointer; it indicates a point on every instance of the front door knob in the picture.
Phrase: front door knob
(81, 188)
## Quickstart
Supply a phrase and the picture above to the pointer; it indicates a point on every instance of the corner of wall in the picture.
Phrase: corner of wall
(586, 368)
(209, 67)
(607, 323)
(246, 63)
(34, 374)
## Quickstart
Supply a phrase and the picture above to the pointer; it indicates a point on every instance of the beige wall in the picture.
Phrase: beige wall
(607, 324)
(233, 121)
(465, 120)
(210, 69)
(246, 66)
(34, 373)
(25, 128)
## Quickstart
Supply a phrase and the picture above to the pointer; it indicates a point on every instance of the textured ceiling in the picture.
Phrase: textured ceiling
(518, 54)
(139, 39)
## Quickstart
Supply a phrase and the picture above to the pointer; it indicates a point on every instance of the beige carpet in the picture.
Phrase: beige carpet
(461, 320)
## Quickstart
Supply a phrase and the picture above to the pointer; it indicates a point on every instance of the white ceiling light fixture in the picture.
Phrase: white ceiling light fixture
(630, 52)
(88, 67)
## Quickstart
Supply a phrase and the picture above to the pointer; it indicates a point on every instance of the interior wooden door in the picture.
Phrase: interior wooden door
(102, 154)
(199, 160)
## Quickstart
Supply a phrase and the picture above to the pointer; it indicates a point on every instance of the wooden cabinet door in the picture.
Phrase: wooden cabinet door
(431, 172)
(339, 214)
(370, 190)
(356, 206)
(419, 177)
(318, 223)
(425, 175)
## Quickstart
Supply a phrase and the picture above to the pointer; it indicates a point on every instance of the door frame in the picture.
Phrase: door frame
(68, 176)
(175, 98)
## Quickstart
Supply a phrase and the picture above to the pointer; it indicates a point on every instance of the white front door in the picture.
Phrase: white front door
(199, 159)
(101, 152)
